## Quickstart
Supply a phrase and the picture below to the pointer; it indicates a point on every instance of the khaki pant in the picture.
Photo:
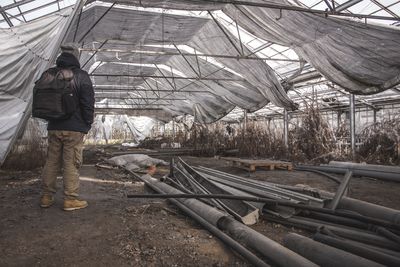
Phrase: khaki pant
(65, 150)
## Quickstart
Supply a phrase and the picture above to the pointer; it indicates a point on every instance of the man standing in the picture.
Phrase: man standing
(66, 136)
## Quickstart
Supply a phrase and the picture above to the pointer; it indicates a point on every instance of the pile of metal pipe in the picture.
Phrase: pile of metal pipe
(195, 182)
(364, 226)
(271, 250)
(359, 233)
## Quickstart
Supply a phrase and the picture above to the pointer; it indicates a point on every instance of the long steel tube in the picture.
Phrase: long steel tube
(324, 255)
(337, 220)
(359, 250)
(387, 176)
(353, 234)
(371, 167)
(356, 205)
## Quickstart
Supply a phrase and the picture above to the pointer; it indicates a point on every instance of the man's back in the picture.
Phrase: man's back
(82, 119)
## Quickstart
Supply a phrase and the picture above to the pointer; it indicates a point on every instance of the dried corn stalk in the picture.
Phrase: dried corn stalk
(381, 142)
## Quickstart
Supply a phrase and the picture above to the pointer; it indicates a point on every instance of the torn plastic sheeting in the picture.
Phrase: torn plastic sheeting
(24, 53)
(240, 93)
(140, 127)
(258, 73)
(137, 26)
(362, 58)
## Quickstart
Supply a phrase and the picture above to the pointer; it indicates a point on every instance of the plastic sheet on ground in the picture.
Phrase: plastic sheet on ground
(135, 161)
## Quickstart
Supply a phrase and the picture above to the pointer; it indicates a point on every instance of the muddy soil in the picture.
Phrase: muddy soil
(116, 231)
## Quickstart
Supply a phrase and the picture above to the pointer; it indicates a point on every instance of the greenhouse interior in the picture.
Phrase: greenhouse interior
(200, 132)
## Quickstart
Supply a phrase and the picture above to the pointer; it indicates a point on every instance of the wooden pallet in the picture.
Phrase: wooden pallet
(251, 165)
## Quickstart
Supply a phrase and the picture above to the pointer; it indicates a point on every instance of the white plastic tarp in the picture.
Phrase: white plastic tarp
(24, 55)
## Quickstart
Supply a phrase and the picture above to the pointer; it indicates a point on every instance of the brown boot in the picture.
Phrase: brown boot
(74, 204)
(46, 201)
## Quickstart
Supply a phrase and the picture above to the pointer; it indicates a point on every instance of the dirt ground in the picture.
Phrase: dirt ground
(117, 231)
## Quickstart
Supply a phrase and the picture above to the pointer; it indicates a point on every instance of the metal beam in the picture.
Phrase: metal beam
(187, 61)
(343, 188)
(151, 112)
(17, 4)
(258, 49)
(328, 5)
(96, 22)
(37, 8)
(286, 128)
(225, 33)
(245, 120)
(144, 52)
(352, 126)
(164, 77)
(6, 18)
(341, 107)
(139, 98)
(173, 86)
(77, 23)
(191, 82)
(128, 106)
(111, 89)
(347, 5)
(20, 12)
(385, 8)
(299, 9)
(87, 61)
(395, 89)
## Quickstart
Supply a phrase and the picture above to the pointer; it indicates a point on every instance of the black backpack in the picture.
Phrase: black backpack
(54, 95)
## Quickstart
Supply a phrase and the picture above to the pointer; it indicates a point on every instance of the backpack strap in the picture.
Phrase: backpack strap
(67, 74)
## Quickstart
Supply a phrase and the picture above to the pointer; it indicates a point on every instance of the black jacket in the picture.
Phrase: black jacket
(82, 119)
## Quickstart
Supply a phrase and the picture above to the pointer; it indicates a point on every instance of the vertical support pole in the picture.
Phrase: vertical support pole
(244, 121)
(339, 118)
(374, 110)
(173, 129)
(195, 127)
(352, 126)
(286, 128)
